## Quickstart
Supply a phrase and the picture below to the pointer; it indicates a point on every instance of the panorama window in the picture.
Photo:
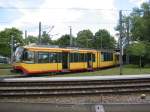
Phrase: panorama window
(71, 59)
(46, 57)
(43, 57)
(81, 57)
(53, 57)
(59, 57)
(77, 57)
(28, 56)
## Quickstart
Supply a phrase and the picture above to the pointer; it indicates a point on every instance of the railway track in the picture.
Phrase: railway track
(48, 88)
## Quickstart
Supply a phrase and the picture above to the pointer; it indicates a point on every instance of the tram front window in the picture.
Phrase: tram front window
(28, 56)
(18, 54)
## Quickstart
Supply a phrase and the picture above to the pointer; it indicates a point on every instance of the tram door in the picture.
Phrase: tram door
(65, 60)
(89, 60)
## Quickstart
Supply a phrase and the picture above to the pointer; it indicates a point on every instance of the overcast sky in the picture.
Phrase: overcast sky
(80, 14)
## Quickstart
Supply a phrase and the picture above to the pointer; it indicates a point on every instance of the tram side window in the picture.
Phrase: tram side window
(110, 56)
(102, 56)
(81, 57)
(85, 57)
(93, 57)
(36, 57)
(77, 57)
(106, 56)
(53, 57)
(28, 56)
(59, 57)
(43, 57)
(71, 59)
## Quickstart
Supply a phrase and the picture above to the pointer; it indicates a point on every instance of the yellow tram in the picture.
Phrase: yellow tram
(42, 59)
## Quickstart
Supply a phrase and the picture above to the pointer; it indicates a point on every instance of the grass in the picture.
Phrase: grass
(127, 70)
(5, 70)
(110, 71)
(7, 73)
(5, 66)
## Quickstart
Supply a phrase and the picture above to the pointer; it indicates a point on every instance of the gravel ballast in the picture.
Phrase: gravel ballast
(123, 98)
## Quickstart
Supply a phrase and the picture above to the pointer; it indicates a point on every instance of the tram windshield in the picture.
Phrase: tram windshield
(23, 55)
(18, 54)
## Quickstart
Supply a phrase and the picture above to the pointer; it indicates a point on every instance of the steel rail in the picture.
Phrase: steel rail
(74, 87)
(56, 83)
(83, 92)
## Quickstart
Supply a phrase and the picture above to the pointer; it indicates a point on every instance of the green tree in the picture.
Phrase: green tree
(140, 25)
(137, 49)
(46, 39)
(140, 19)
(104, 40)
(85, 39)
(63, 41)
(5, 37)
(31, 39)
(147, 54)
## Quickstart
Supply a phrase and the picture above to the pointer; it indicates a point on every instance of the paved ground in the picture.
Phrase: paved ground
(46, 107)
(115, 77)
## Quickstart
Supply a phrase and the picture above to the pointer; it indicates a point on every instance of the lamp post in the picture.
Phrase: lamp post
(120, 47)
(12, 48)
(70, 29)
(101, 43)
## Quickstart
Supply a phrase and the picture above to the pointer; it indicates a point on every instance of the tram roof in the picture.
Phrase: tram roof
(48, 47)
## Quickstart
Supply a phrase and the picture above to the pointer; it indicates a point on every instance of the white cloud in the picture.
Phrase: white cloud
(78, 3)
(60, 14)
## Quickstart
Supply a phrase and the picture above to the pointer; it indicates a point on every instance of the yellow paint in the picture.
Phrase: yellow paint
(41, 67)
(95, 65)
(78, 65)
(106, 64)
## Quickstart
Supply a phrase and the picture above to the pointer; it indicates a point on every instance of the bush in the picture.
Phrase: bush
(147, 66)
(131, 66)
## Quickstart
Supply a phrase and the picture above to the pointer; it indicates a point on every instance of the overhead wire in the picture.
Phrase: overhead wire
(76, 9)
(49, 8)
